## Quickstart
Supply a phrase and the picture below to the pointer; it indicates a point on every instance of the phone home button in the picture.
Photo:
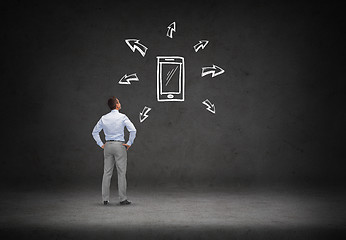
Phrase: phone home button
(170, 96)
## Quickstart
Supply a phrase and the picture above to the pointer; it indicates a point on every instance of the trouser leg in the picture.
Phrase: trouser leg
(121, 164)
(107, 173)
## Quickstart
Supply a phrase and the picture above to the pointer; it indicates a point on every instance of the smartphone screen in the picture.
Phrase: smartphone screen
(170, 78)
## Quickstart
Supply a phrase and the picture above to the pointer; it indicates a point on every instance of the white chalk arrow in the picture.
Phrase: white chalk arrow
(127, 78)
(200, 45)
(134, 44)
(171, 29)
(214, 71)
(210, 106)
(143, 115)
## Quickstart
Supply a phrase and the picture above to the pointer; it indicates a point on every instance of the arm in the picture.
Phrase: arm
(95, 133)
(132, 130)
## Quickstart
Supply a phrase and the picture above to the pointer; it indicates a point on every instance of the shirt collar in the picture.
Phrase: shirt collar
(115, 110)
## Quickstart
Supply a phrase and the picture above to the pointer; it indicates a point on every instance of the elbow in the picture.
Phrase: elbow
(134, 130)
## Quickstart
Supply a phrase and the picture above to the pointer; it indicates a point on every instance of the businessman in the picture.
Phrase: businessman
(115, 148)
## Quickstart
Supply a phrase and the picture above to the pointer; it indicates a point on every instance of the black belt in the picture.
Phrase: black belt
(114, 141)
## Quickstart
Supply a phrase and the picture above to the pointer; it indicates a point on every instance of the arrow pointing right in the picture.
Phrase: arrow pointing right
(214, 71)
(200, 45)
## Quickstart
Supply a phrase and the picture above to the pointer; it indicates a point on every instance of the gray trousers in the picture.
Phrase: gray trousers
(114, 153)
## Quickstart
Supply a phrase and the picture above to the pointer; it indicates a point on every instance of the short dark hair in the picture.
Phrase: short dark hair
(112, 102)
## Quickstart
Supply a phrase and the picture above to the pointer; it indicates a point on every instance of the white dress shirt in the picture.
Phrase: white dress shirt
(113, 125)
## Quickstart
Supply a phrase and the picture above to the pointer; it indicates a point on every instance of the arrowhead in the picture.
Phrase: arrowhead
(131, 43)
(172, 25)
(123, 80)
(204, 43)
(218, 71)
(212, 109)
(141, 118)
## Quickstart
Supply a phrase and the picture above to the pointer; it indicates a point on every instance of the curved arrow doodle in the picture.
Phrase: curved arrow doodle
(171, 29)
(134, 44)
(127, 78)
(214, 71)
(201, 44)
(143, 115)
(210, 106)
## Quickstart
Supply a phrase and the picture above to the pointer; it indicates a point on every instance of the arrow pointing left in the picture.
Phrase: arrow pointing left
(127, 78)
(134, 44)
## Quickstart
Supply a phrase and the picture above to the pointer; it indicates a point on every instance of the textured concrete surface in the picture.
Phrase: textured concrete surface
(175, 213)
(277, 104)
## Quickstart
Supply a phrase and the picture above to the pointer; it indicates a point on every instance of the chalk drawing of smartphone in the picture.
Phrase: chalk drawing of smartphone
(170, 78)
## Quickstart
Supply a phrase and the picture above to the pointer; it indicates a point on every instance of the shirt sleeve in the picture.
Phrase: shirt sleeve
(132, 130)
(96, 132)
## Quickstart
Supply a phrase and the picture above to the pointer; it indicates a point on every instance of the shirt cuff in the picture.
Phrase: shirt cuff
(129, 143)
(100, 144)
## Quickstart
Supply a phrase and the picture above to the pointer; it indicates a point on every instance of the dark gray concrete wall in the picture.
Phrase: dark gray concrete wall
(278, 104)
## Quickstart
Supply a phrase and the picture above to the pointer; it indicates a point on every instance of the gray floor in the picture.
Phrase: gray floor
(172, 213)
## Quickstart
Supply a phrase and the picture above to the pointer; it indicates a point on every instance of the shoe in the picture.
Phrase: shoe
(105, 202)
(125, 202)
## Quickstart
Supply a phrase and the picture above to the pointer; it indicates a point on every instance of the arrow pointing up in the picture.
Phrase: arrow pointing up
(134, 44)
(171, 29)
(200, 45)
(127, 78)
(214, 71)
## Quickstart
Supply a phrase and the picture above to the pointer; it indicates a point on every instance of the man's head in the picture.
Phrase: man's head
(114, 103)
